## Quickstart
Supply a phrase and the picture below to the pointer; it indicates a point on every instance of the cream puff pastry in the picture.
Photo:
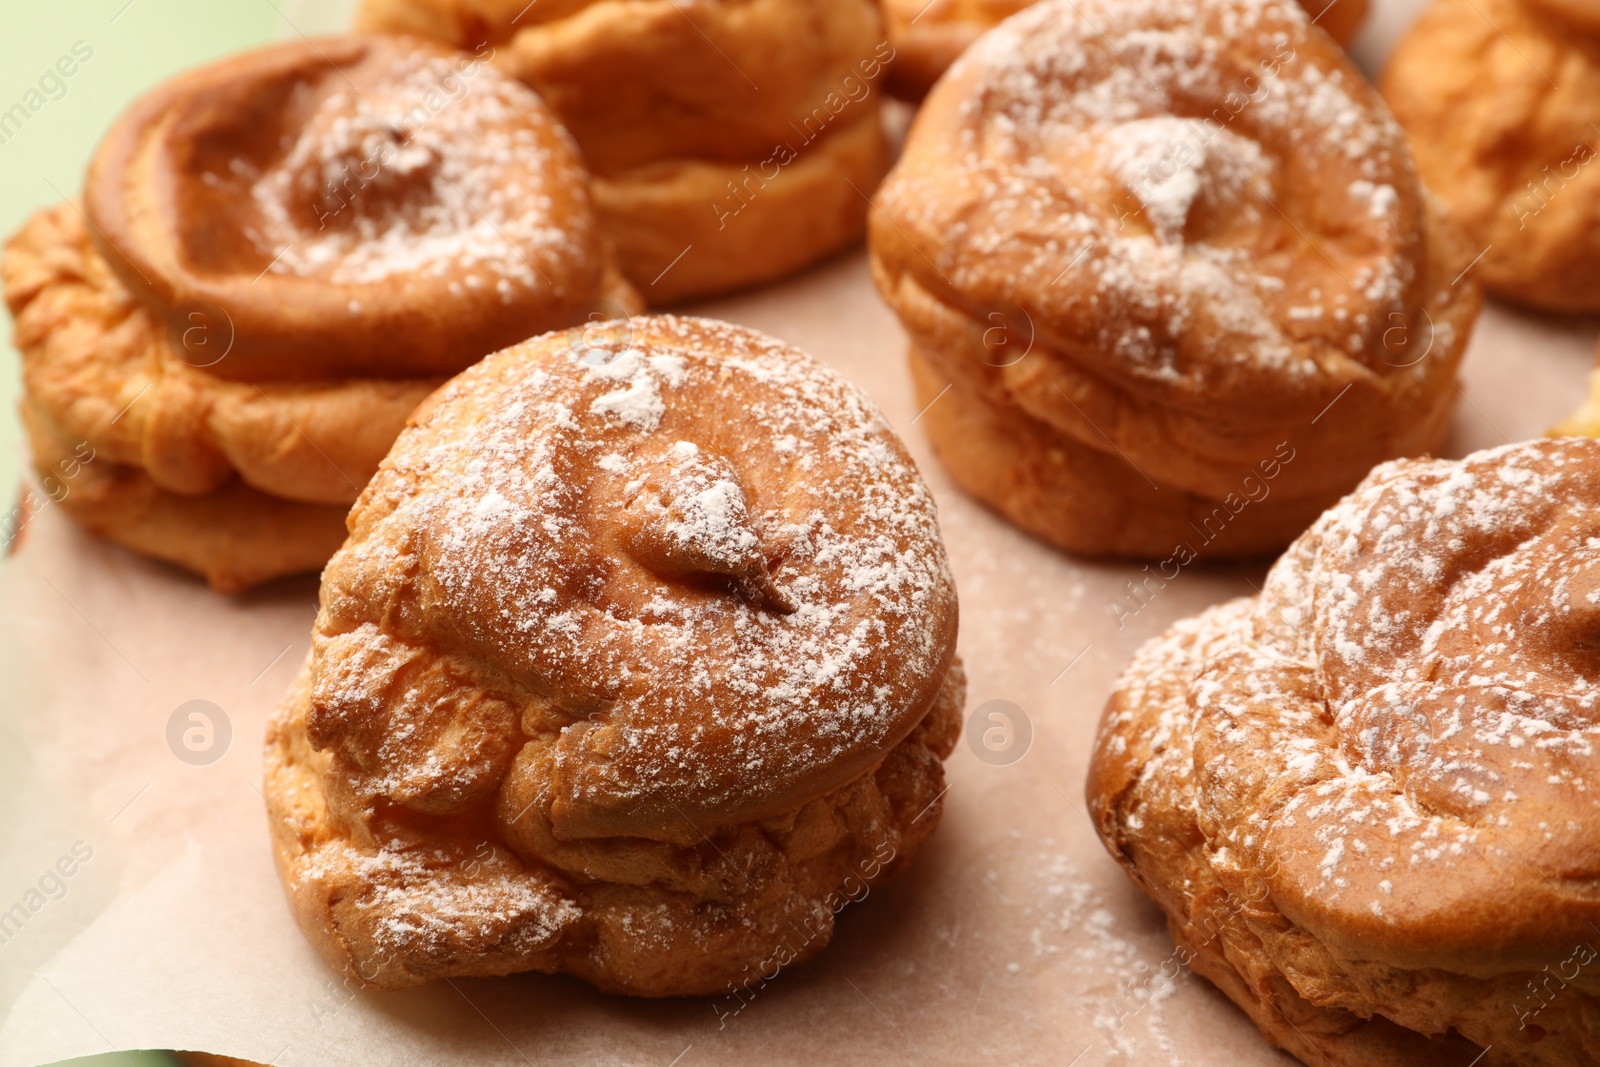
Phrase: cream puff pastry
(1174, 294)
(276, 258)
(1497, 100)
(1363, 797)
(928, 35)
(640, 656)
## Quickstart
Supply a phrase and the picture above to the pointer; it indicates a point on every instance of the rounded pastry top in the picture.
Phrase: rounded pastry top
(374, 206)
(1400, 732)
(664, 81)
(700, 565)
(1203, 200)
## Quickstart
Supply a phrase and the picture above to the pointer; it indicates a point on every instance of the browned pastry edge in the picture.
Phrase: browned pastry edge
(103, 370)
(1093, 502)
(234, 537)
(1210, 451)
(687, 229)
(463, 903)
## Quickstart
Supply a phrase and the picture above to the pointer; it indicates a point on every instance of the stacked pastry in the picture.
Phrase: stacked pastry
(732, 141)
(637, 665)
(1175, 297)
(1497, 97)
(928, 35)
(275, 259)
(1364, 798)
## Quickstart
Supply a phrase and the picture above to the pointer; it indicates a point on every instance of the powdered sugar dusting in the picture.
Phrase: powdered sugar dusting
(440, 170)
(1141, 156)
(1169, 185)
(1412, 690)
(711, 612)
(418, 903)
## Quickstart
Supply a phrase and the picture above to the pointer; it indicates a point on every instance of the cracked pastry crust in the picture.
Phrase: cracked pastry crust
(928, 35)
(1361, 797)
(234, 328)
(639, 658)
(1195, 260)
(732, 143)
(1496, 100)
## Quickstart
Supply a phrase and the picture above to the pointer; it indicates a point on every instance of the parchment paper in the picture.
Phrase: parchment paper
(1012, 938)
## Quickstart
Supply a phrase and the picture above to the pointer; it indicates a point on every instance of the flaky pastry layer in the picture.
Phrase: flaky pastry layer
(398, 899)
(233, 536)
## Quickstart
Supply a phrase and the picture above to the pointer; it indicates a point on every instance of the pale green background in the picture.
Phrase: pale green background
(135, 45)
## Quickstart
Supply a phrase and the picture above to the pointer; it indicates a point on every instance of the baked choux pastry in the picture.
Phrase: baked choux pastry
(1585, 422)
(1497, 99)
(1363, 798)
(276, 258)
(928, 35)
(1174, 297)
(732, 141)
(639, 661)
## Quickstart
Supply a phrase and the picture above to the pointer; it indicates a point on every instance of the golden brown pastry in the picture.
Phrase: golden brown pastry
(732, 141)
(638, 662)
(1173, 298)
(928, 35)
(1497, 99)
(1585, 422)
(276, 258)
(1363, 797)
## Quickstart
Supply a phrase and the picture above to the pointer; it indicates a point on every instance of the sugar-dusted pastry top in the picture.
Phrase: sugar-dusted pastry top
(1199, 197)
(1399, 734)
(700, 562)
(1203, 232)
(349, 206)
